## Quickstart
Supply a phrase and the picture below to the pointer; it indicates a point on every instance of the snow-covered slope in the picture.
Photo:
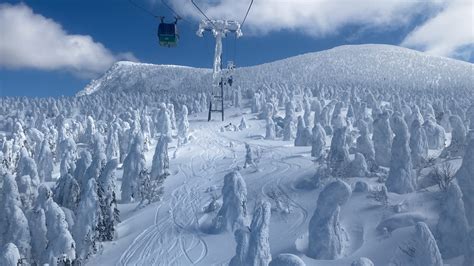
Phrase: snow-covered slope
(359, 65)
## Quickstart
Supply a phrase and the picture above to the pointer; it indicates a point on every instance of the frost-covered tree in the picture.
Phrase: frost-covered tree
(255, 103)
(364, 144)
(133, 165)
(458, 138)
(183, 125)
(289, 124)
(435, 134)
(241, 236)
(90, 131)
(421, 249)
(401, 178)
(303, 135)
(95, 169)
(237, 97)
(68, 156)
(109, 213)
(164, 126)
(13, 223)
(358, 166)
(160, 163)
(465, 178)
(243, 123)
(452, 224)
(60, 241)
(84, 161)
(27, 179)
(338, 156)
(39, 242)
(259, 244)
(270, 129)
(382, 138)
(112, 150)
(234, 206)
(325, 233)
(469, 251)
(287, 259)
(9, 255)
(45, 162)
(172, 115)
(318, 141)
(418, 144)
(362, 261)
(85, 229)
(67, 192)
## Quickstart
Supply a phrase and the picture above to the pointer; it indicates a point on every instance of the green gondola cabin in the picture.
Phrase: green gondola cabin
(168, 34)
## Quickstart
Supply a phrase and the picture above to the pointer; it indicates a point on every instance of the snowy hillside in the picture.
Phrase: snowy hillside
(360, 155)
(358, 65)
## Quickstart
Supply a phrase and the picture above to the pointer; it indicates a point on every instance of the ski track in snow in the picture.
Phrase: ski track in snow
(174, 235)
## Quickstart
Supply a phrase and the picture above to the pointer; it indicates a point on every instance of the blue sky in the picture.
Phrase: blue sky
(54, 48)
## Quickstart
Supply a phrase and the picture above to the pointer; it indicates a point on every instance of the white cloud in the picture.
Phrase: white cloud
(448, 33)
(30, 40)
(450, 28)
(316, 17)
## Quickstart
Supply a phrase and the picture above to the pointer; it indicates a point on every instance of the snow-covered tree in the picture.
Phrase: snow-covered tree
(465, 178)
(241, 236)
(362, 261)
(85, 229)
(109, 213)
(418, 144)
(172, 115)
(325, 233)
(13, 223)
(303, 138)
(160, 163)
(60, 241)
(338, 156)
(90, 131)
(243, 123)
(10, 255)
(39, 241)
(234, 206)
(358, 166)
(435, 134)
(318, 141)
(382, 138)
(183, 125)
(45, 162)
(68, 156)
(458, 138)
(259, 245)
(133, 165)
(112, 150)
(401, 178)
(270, 129)
(27, 179)
(287, 259)
(364, 144)
(84, 162)
(421, 249)
(163, 122)
(469, 251)
(452, 224)
(67, 192)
